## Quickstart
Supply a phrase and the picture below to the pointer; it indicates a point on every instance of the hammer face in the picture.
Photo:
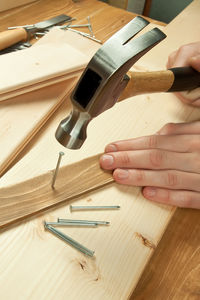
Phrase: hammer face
(104, 78)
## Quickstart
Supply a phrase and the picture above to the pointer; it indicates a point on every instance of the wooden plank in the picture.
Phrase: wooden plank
(8, 4)
(22, 116)
(35, 195)
(45, 63)
(178, 258)
(120, 249)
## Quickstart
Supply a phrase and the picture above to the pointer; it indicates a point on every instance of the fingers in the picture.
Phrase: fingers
(178, 198)
(182, 143)
(171, 179)
(195, 62)
(180, 128)
(182, 56)
(151, 159)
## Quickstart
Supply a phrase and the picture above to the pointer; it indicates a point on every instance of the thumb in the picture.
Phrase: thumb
(195, 62)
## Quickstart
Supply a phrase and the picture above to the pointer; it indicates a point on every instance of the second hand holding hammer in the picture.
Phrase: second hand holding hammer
(105, 78)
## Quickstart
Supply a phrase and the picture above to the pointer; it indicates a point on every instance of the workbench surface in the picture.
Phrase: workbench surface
(169, 275)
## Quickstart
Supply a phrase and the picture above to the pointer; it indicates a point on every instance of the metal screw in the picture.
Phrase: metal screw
(56, 169)
(69, 240)
(83, 222)
(60, 223)
(74, 208)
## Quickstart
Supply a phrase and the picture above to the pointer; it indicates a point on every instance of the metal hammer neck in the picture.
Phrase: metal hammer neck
(71, 132)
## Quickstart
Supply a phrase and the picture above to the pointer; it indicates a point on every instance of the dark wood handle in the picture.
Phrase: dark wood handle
(11, 37)
(176, 79)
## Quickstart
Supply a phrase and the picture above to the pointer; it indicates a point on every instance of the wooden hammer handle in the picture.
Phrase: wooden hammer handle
(172, 80)
(11, 37)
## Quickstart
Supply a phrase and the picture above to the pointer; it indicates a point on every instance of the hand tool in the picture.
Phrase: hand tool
(105, 78)
(24, 33)
(16, 47)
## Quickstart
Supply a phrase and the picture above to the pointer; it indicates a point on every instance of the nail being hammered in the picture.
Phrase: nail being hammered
(56, 169)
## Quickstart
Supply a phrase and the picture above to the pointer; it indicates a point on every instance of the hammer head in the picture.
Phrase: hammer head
(104, 79)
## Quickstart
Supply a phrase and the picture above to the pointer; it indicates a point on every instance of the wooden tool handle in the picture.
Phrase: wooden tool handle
(172, 80)
(11, 37)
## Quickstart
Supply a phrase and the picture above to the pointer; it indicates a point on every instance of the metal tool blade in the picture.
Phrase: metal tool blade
(51, 22)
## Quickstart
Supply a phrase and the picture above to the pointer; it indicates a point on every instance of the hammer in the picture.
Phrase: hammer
(105, 78)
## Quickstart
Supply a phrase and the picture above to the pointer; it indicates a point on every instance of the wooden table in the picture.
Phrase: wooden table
(168, 275)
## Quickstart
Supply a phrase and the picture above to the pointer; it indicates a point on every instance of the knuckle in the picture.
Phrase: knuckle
(195, 162)
(156, 158)
(139, 176)
(194, 143)
(152, 141)
(186, 199)
(168, 128)
(125, 159)
(172, 179)
(184, 48)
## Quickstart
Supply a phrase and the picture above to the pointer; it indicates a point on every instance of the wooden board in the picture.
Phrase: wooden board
(23, 115)
(121, 248)
(8, 4)
(35, 195)
(47, 62)
(175, 265)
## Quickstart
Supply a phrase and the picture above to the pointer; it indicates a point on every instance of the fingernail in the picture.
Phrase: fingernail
(122, 174)
(111, 148)
(107, 159)
(150, 192)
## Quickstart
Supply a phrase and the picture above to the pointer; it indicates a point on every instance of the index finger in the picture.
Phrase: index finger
(180, 143)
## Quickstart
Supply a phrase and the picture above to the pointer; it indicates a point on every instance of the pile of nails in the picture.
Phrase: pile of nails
(50, 226)
(87, 35)
(71, 27)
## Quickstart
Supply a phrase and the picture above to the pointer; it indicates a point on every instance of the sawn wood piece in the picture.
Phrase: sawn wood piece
(30, 197)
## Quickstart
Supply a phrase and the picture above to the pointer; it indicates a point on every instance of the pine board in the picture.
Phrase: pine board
(25, 113)
(47, 62)
(120, 248)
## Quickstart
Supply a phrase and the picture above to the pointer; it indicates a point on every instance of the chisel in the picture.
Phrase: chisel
(24, 33)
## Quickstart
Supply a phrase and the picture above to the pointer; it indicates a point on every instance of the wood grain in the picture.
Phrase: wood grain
(178, 258)
(118, 248)
(148, 82)
(33, 196)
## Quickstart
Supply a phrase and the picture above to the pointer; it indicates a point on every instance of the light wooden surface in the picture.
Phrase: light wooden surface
(45, 63)
(35, 195)
(38, 253)
(36, 73)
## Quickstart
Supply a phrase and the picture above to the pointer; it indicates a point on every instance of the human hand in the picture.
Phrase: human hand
(187, 55)
(167, 164)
